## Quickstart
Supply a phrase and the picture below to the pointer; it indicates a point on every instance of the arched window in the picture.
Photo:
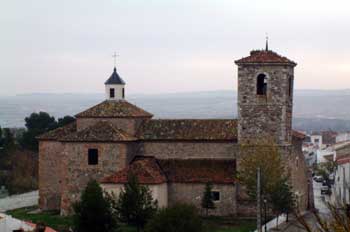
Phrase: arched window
(261, 85)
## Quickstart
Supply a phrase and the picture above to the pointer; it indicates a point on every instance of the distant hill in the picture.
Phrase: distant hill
(313, 109)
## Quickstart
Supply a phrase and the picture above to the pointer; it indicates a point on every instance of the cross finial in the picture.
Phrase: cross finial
(267, 42)
(115, 59)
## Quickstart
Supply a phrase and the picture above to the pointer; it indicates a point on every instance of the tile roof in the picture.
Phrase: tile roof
(298, 134)
(114, 109)
(199, 170)
(146, 169)
(102, 131)
(59, 132)
(115, 79)
(153, 171)
(189, 129)
(344, 160)
(265, 56)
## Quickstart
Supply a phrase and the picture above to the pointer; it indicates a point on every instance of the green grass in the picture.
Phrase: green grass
(49, 218)
(57, 222)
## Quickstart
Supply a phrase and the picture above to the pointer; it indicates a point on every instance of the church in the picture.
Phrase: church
(175, 158)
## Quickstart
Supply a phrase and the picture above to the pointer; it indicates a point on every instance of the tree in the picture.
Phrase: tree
(36, 123)
(178, 218)
(93, 212)
(267, 157)
(282, 198)
(135, 205)
(207, 200)
(8, 140)
(65, 120)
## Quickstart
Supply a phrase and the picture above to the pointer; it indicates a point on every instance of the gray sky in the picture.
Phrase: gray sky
(166, 46)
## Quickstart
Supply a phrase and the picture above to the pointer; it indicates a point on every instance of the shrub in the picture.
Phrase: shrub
(93, 212)
(178, 218)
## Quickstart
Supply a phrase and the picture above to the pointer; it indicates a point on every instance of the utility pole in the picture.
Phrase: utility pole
(258, 200)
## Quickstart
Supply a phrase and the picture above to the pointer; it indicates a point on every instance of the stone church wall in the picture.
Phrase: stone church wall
(50, 156)
(77, 172)
(192, 193)
(189, 150)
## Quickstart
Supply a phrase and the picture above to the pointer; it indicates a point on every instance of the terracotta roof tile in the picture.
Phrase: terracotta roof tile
(114, 109)
(146, 169)
(102, 131)
(263, 56)
(189, 129)
(199, 170)
(298, 134)
(59, 132)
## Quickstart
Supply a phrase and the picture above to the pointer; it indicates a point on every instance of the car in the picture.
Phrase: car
(318, 178)
(326, 190)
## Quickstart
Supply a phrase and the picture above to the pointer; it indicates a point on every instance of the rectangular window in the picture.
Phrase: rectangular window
(93, 156)
(215, 195)
(111, 93)
(123, 93)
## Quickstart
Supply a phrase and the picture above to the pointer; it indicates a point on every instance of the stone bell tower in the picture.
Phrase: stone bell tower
(265, 97)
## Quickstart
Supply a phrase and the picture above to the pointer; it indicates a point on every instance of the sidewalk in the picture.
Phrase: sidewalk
(19, 201)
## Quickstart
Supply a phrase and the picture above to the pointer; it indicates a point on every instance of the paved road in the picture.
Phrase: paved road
(19, 201)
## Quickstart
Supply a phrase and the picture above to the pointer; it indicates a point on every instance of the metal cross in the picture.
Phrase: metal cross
(115, 58)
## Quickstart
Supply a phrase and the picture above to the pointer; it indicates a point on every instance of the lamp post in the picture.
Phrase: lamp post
(265, 203)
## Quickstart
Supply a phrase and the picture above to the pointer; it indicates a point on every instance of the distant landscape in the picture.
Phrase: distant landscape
(314, 110)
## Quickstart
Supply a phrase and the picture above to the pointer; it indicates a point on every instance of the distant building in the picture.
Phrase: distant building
(175, 158)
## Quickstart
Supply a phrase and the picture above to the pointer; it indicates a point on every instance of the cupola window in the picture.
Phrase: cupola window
(111, 93)
(261, 86)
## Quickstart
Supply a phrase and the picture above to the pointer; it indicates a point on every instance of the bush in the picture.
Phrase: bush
(93, 212)
(135, 205)
(178, 218)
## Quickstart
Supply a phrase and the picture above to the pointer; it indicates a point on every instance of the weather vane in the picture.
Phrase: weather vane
(115, 59)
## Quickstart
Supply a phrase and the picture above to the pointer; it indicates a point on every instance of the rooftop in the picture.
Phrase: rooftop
(114, 109)
(265, 56)
(189, 129)
(150, 170)
(115, 79)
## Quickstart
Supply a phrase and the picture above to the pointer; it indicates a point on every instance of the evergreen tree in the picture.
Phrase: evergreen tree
(65, 120)
(135, 205)
(207, 200)
(93, 212)
(8, 140)
(282, 199)
(1, 141)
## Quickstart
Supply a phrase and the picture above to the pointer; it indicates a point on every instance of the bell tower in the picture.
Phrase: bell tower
(265, 97)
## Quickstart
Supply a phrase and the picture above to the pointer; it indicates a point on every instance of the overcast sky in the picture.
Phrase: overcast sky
(166, 45)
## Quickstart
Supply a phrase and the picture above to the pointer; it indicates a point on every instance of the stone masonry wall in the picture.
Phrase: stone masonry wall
(50, 154)
(112, 157)
(265, 115)
(189, 150)
(193, 193)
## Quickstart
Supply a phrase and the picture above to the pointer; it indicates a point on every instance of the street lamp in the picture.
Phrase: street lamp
(265, 202)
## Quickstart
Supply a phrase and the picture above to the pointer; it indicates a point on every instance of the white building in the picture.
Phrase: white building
(341, 186)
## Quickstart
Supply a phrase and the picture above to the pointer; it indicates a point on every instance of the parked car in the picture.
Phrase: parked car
(318, 178)
(326, 190)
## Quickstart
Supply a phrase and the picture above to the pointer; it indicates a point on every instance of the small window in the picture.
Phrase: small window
(93, 157)
(261, 85)
(215, 195)
(123, 93)
(290, 85)
(111, 93)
